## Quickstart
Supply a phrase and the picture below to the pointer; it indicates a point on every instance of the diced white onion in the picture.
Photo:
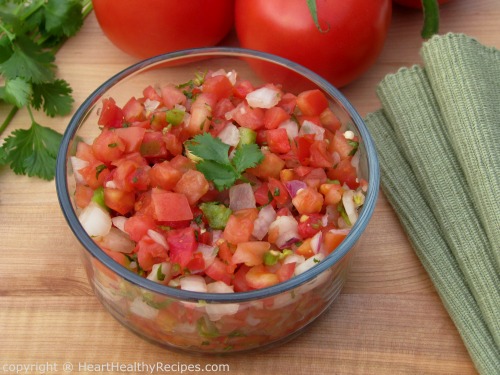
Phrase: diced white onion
(111, 184)
(316, 242)
(166, 269)
(291, 127)
(261, 225)
(309, 127)
(349, 205)
(349, 134)
(294, 258)
(95, 220)
(230, 135)
(355, 162)
(119, 222)
(219, 72)
(116, 240)
(141, 308)
(287, 230)
(77, 164)
(193, 283)
(232, 75)
(264, 97)
(216, 311)
(158, 238)
(308, 264)
(208, 252)
(151, 105)
(241, 196)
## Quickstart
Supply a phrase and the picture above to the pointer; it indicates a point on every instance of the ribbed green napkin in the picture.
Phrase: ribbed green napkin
(435, 173)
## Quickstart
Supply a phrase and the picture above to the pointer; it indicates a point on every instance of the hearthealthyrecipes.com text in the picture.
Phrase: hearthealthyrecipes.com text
(132, 367)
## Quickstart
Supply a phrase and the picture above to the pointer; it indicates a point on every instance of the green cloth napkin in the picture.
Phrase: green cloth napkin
(439, 158)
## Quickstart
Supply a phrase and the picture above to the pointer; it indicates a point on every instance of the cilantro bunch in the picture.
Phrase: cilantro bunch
(31, 32)
(214, 160)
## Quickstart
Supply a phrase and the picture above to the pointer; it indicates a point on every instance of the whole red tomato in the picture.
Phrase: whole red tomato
(416, 4)
(147, 28)
(350, 40)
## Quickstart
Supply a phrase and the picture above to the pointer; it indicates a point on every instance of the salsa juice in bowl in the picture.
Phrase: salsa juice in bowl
(217, 211)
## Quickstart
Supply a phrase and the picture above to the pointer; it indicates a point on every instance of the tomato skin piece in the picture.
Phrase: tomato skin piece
(171, 206)
(182, 244)
(312, 102)
(140, 30)
(352, 37)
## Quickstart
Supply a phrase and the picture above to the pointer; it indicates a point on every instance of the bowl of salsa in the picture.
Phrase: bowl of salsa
(218, 196)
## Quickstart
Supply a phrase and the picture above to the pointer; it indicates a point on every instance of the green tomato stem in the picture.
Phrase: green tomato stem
(313, 9)
(431, 18)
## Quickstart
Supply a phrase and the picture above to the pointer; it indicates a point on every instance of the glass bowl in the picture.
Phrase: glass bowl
(185, 320)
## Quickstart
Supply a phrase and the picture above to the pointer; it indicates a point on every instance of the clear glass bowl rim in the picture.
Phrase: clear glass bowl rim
(332, 259)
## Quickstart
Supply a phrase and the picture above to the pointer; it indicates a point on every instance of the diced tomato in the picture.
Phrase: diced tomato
(277, 140)
(248, 117)
(171, 96)
(312, 102)
(309, 225)
(262, 195)
(329, 120)
(150, 253)
(308, 201)
(239, 282)
(332, 193)
(222, 107)
(133, 110)
(285, 271)
(259, 277)
(108, 146)
(304, 148)
(201, 114)
(182, 163)
(153, 145)
(150, 93)
(193, 185)
(171, 206)
(278, 191)
(119, 200)
(270, 166)
(83, 195)
(274, 116)
(182, 244)
(315, 178)
(137, 226)
(111, 115)
(218, 271)
(305, 249)
(95, 174)
(340, 145)
(242, 88)
(196, 264)
(132, 137)
(344, 172)
(131, 176)
(332, 238)
(288, 102)
(164, 176)
(225, 253)
(251, 253)
(239, 227)
(219, 86)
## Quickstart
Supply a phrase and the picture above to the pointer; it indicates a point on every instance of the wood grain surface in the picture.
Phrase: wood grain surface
(388, 319)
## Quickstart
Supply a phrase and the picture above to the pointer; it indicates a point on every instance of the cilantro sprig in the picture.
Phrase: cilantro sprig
(215, 163)
(31, 32)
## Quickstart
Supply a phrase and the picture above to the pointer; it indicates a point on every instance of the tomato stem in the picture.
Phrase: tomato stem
(313, 9)
(431, 18)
